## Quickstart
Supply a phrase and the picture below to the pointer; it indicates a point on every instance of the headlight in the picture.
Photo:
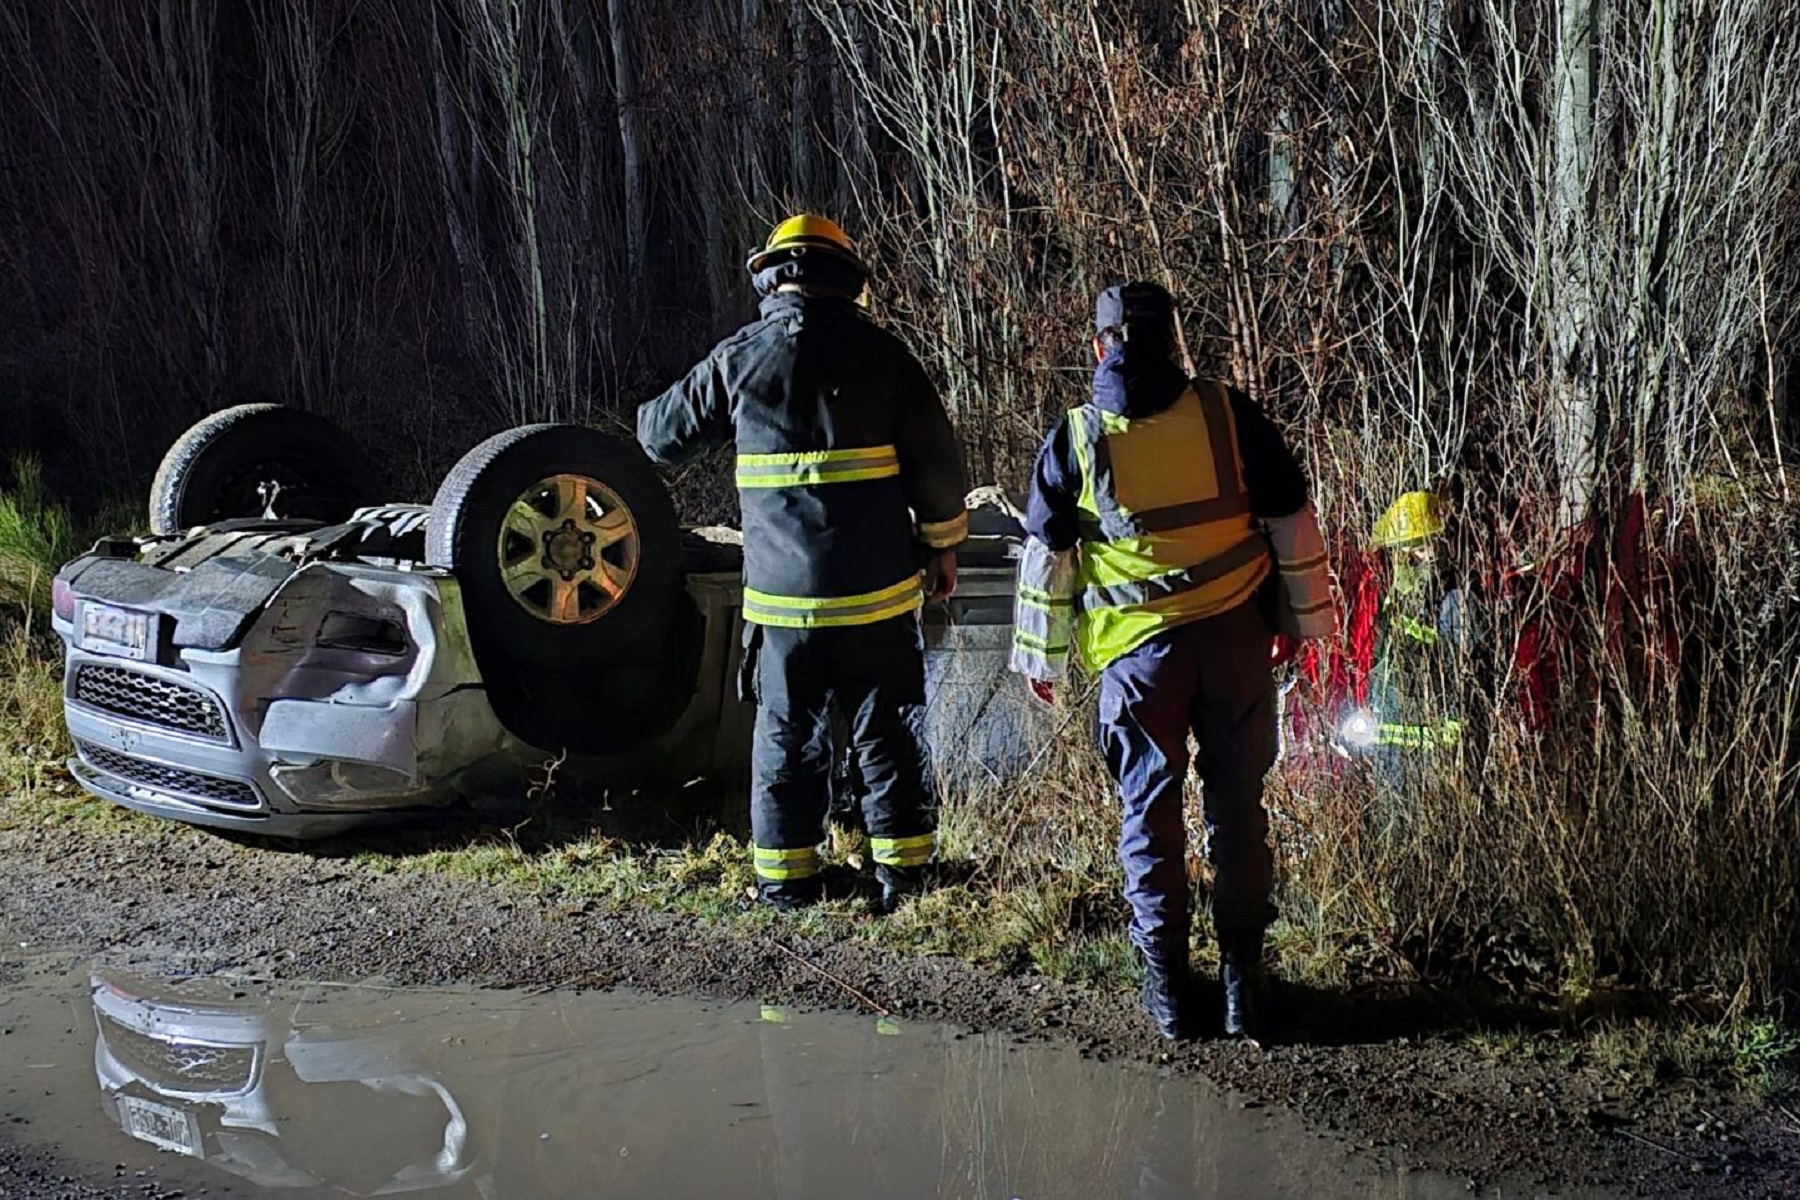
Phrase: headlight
(334, 781)
(364, 634)
(1360, 729)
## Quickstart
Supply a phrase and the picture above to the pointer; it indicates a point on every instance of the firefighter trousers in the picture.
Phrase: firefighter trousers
(875, 676)
(1211, 677)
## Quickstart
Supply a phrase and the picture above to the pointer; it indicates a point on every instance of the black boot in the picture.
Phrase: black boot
(787, 895)
(897, 883)
(1241, 973)
(1164, 996)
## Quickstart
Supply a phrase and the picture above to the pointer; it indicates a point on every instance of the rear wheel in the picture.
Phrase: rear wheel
(255, 460)
(568, 554)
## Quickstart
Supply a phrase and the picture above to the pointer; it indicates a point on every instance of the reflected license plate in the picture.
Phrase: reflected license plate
(120, 632)
(161, 1125)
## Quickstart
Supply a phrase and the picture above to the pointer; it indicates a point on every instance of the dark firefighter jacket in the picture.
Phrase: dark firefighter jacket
(847, 467)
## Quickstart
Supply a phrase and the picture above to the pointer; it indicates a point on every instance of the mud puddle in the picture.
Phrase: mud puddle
(230, 1087)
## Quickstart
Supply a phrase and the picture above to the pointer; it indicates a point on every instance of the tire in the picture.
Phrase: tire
(570, 635)
(214, 471)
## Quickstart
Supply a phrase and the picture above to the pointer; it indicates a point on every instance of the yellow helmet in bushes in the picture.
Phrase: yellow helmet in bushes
(1412, 518)
(802, 234)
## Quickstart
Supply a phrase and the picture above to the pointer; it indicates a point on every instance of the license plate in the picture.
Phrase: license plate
(161, 1125)
(120, 632)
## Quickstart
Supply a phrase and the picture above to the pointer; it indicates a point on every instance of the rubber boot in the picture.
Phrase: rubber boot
(1164, 996)
(1241, 973)
(897, 883)
(787, 895)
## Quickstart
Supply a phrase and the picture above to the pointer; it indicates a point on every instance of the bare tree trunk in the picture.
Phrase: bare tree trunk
(755, 175)
(1575, 412)
(800, 115)
(852, 116)
(458, 163)
(721, 255)
(637, 214)
(316, 288)
(583, 260)
(182, 70)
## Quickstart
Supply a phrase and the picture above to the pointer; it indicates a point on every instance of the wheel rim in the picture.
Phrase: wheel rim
(569, 550)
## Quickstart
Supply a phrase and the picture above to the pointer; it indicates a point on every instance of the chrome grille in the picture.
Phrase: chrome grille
(172, 781)
(151, 699)
(179, 1065)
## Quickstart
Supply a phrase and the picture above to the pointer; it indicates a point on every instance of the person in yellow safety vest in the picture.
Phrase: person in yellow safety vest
(1421, 625)
(1162, 514)
(851, 484)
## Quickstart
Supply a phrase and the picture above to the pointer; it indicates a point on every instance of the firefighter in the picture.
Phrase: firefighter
(1168, 495)
(1422, 620)
(851, 482)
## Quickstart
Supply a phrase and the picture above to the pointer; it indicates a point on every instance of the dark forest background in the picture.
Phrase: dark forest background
(1542, 254)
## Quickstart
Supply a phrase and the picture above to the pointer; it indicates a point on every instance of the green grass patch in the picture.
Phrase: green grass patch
(34, 742)
(1104, 962)
(1759, 1055)
(37, 536)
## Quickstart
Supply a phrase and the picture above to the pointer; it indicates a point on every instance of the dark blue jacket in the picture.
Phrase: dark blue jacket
(1274, 479)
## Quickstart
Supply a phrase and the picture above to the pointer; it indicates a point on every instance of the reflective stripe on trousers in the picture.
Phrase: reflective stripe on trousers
(1418, 737)
(774, 863)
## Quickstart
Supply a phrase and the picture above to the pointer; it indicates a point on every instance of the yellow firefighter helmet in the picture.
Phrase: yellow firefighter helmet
(801, 234)
(1412, 518)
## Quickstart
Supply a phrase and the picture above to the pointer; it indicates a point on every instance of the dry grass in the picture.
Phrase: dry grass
(35, 787)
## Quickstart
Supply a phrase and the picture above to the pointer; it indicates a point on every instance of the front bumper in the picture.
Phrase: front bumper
(225, 785)
(285, 734)
(269, 823)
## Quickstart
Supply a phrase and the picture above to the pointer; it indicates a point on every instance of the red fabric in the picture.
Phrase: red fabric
(1334, 676)
(1552, 648)
(1338, 673)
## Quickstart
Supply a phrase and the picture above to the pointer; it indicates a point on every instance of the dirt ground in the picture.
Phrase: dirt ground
(1373, 1074)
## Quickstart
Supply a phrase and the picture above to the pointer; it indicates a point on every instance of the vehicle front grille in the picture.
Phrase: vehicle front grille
(186, 785)
(138, 696)
(179, 1066)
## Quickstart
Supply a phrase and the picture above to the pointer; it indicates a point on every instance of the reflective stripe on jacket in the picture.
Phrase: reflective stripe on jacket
(848, 471)
(1400, 736)
(1166, 528)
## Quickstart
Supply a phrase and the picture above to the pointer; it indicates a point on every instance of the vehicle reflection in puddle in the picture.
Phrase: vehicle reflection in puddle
(362, 1091)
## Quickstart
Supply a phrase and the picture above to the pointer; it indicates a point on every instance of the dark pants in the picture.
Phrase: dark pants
(875, 676)
(1211, 677)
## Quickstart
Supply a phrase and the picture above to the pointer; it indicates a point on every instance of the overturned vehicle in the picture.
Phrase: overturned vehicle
(281, 656)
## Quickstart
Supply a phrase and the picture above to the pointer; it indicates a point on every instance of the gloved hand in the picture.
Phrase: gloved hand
(1043, 689)
(940, 576)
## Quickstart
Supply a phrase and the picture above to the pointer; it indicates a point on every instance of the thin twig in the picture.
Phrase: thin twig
(807, 962)
(586, 977)
(1638, 1137)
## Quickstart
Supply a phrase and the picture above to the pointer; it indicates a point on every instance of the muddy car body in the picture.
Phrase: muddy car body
(298, 675)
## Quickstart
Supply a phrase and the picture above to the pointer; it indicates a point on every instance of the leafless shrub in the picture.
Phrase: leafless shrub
(1540, 252)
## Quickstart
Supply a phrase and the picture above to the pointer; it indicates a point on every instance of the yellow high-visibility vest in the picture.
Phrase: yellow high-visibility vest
(1167, 535)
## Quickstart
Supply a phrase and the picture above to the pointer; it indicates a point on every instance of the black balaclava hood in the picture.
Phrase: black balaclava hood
(825, 274)
(1137, 377)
